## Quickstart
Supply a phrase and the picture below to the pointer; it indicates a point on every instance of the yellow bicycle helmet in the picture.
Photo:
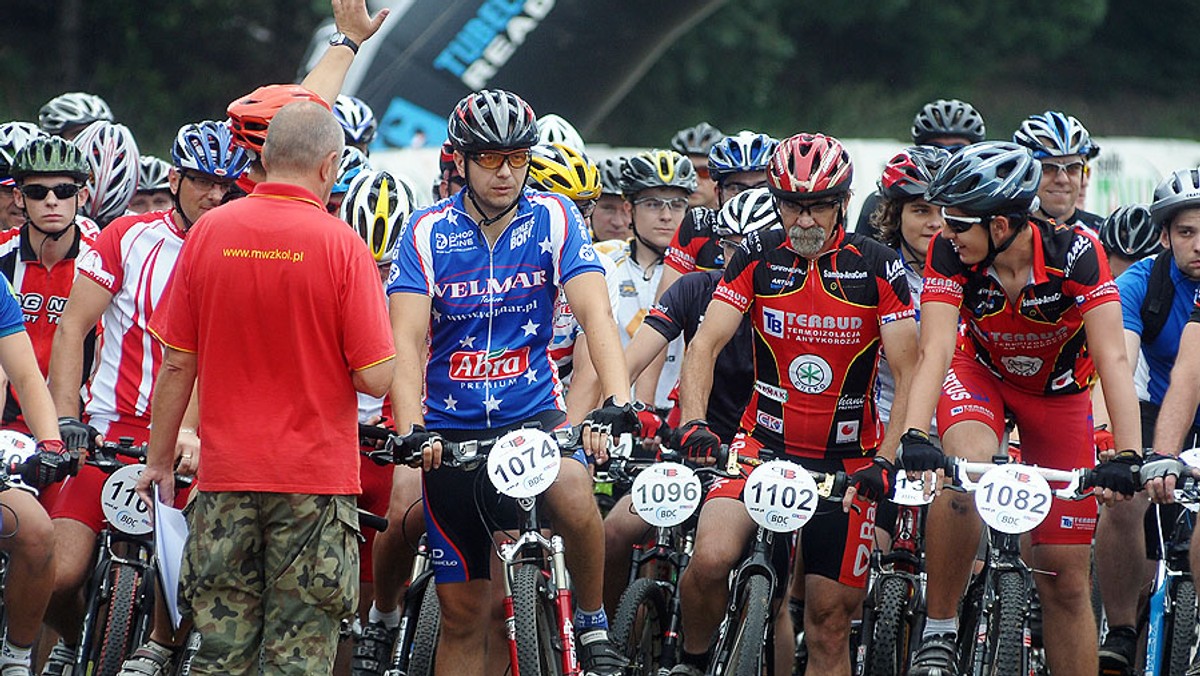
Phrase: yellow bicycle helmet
(561, 169)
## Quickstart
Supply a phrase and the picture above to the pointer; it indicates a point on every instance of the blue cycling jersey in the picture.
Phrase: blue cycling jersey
(1159, 354)
(492, 306)
(12, 320)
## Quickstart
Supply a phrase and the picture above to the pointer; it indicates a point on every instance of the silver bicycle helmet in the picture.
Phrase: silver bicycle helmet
(947, 117)
(988, 178)
(1179, 191)
(1131, 232)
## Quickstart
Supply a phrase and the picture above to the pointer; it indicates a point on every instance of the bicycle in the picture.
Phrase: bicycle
(1013, 499)
(1169, 621)
(647, 623)
(780, 497)
(894, 610)
(521, 465)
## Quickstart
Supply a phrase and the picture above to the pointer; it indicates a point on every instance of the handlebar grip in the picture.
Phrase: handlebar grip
(373, 521)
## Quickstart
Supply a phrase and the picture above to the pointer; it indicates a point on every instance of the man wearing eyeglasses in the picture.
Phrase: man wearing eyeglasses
(823, 303)
(121, 279)
(1041, 320)
(1064, 147)
(472, 294)
(39, 257)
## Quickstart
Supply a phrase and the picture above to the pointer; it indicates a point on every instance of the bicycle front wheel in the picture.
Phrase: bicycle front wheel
(538, 653)
(891, 630)
(121, 615)
(640, 625)
(1183, 628)
(1006, 633)
(749, 650)
(425, 636)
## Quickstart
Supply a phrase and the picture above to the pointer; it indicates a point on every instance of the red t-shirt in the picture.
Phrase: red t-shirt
(280, 301)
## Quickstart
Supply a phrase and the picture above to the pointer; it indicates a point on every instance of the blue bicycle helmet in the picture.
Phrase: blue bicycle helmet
(1055, 134)
(208, 148)
(353, 161)
(356, 117)
(735, 154)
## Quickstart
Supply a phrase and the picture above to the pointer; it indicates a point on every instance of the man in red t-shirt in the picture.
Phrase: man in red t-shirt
(276, 313)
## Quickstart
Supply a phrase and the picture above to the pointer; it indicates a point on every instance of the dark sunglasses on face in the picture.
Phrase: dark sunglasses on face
(961, 224)
(62, 191)
(493, 159)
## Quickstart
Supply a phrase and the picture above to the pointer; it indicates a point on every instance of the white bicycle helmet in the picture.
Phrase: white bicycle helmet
(1055, 134)
(112, 154)
(13, 137)
(748, 211)
(356, 117)
(153, 174)
(72, 109)
(554, 129)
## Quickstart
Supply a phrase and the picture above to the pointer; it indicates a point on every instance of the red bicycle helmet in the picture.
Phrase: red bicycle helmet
(810, 166)
(250, 115)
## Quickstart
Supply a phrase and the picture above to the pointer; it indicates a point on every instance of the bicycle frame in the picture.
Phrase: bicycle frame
(1172, 568)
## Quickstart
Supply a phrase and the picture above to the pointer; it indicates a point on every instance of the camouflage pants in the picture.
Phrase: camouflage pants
(267, 578)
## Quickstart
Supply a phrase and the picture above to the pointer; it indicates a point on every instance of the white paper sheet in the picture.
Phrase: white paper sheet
(170, 534)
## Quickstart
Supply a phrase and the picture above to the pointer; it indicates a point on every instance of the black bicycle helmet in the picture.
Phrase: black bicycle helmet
(1131, 232)
(947, 117)
(697, 140)
(988, 178)
(492, 119)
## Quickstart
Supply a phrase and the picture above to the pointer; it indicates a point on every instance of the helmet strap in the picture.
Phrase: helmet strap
(995, 250)
(187, 222)
(54, 236)
(487, 220)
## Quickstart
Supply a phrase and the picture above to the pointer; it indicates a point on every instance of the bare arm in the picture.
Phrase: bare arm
(1100, 414)
(899, 340)
(939, 331)
(1183, 396)
(1107, 345)
(584, 393)
(87, 303)
(375, 380)
(354, 21)
(669, 276)
(647, 346)
(20, 363)
(721, 322)
(588, 297)
(172, 392)
(410, 314)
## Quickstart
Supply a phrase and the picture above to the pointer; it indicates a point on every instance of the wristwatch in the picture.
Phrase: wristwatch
(341, 39)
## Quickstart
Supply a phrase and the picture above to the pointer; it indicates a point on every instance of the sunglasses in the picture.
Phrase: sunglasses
(813, 209)
(658, 203)
(702, 172)
(493, 159)
(204, 183)
(62, 191)
(960, 224)
(1071, 169)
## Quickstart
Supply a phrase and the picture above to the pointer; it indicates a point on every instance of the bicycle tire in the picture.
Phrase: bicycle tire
(971, 656)
(533, 624)
(640, 624)
(425, 636)
(116, 645)
(1007, 632)
(1182, 633)
(891, 632)
(750, 650)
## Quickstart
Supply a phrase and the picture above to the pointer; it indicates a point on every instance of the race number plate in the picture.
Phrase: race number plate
(123, 507)
(910, 493)
(780, 496)
(666, 494)
(523, 463)
(1012, 498)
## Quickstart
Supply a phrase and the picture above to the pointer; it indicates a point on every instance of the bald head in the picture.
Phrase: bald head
(301, 138)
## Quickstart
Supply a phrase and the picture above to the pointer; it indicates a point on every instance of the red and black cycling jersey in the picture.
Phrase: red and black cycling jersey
(1036, 341)
(695, 246)
(43, 292)
(816, 339)
(680, 310)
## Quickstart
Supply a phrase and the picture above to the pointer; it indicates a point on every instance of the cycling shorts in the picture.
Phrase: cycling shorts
(1056, 432)
(376, 492)
(463, 509)
(833, 544)
(79, 498)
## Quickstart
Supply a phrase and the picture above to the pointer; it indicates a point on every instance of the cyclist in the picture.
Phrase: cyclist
(113, 155)
(657, 184)
(119, 286)
(1172, 278)
(487, 369)
(13, 137)
(351, 163)
(357, 120)
(823, 303)
(735, 163)
(554, 129)
(39, 258)
(154, 186)
(1129, 234)
(695, 143)
(26, 533)
(560, 168)
(377, 205)
(449, 181)
(678, 313)
(67, 114)
(949, 124)
(611, 217)
(1025, 291)
(1064, 147)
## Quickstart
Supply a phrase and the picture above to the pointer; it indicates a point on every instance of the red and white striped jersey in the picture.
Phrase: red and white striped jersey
(132, 258)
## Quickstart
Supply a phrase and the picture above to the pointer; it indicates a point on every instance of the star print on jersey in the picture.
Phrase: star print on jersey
(452, 217)
(469, 341)
(530, 328)
(436, 315)
(450, 402)
(546, 246)
(531, 376)
(492, 403)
